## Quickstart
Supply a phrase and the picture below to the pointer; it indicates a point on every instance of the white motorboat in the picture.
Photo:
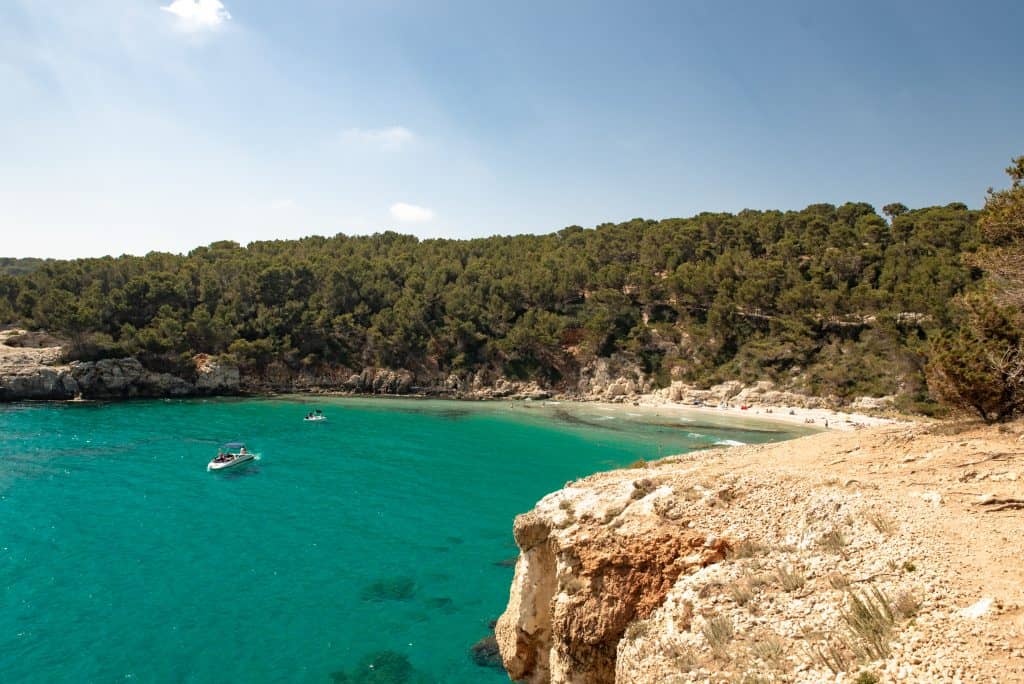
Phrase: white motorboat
(231, 454)
(315, 416)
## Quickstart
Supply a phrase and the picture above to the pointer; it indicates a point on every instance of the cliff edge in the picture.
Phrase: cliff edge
(890, 554)
(32, 366)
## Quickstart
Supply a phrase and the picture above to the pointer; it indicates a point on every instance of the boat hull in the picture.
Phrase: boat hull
(213, 465)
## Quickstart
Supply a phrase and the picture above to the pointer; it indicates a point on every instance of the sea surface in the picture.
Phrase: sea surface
(373, 547)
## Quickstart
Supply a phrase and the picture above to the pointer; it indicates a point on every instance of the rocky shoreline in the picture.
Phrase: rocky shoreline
(32, 367)
(881, 556)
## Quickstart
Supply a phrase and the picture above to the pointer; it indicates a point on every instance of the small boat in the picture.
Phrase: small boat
(315, 416)
(231, 454)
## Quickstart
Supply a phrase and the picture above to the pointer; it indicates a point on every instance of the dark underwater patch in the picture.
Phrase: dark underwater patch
(381, 667)
(441, 604)
(389, 589)
(484, 652)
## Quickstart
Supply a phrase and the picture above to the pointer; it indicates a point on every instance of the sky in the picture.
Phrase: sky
(129, 126)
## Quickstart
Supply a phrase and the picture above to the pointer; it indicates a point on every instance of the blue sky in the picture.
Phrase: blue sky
(137, 125)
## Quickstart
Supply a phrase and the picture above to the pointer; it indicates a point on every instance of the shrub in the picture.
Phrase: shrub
(980, 366)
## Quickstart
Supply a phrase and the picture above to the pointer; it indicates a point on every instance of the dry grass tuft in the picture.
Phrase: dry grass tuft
(771, 650)
(907, 604)
(759, 580)
(838, 580)
(683, 657)
(746, 548)
(870, 617)
(741, 592)
(718, 631)
(881, 522)
(834, 653)
(833, 541)
(789, 579)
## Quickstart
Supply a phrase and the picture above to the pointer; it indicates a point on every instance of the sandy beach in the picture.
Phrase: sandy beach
(825, 419)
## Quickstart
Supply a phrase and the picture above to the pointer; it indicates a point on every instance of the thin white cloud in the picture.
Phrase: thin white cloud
(282, 204)
(410, 213)
(390, 138)
(199, 14)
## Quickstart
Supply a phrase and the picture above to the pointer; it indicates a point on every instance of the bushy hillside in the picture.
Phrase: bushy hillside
(827, 299)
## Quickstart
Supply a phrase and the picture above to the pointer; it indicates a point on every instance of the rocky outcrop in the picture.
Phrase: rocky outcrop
(486, 385)
(585, 574)
(873, 403)
(37, 382)
(380, 381)
(39, 373)
(214, 377)
(612, 379)
(124, 379)
(813, 560)
(764, 393)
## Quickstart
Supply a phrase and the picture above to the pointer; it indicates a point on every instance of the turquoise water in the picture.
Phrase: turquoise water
(386, 528)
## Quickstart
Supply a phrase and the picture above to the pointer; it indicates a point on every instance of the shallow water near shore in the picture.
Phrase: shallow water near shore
(385, 528)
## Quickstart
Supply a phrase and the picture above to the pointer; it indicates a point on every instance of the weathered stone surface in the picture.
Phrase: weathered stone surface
(763, 393)
(873, 403)
(612, 379)
(623, 575)
(381, 381)
(41, 382)
(124, 379)
(31, 367)
(34, 372)
(215, 377)
(581, 581)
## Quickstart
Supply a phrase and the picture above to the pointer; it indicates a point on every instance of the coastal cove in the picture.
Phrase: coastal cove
(385, 529)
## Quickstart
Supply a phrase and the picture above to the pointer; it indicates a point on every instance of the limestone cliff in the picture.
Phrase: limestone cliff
(806, 561)
(40, 373)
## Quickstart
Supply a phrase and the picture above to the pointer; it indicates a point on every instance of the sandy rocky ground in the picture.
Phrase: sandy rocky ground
(743, 564)
(42, 350)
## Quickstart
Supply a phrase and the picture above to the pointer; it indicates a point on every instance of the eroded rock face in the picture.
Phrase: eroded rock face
(624, 577)
(381, 381)
(38, 373)
(40, 382)
(215, 377)
(612, 379)
(763, 393)
(126, 378)
(588, 569)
